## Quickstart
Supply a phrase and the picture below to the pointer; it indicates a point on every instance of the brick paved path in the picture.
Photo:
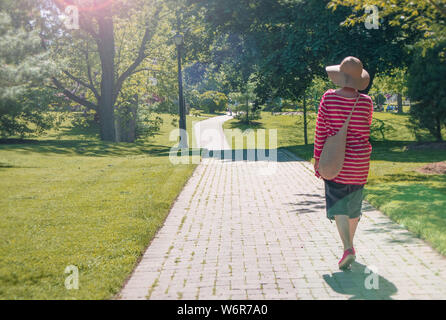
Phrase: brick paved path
(235, 234)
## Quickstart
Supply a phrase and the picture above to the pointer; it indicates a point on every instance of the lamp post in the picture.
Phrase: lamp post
(179, 41)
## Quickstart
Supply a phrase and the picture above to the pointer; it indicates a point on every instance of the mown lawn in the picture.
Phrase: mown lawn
(415, 200)
(70, 199)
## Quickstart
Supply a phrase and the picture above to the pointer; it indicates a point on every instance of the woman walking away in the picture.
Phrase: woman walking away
(344, 193)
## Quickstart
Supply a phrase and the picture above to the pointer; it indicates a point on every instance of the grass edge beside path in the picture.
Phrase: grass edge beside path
(76, 201)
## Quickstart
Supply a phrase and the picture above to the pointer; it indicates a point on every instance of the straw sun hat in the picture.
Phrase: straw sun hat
(350, 73)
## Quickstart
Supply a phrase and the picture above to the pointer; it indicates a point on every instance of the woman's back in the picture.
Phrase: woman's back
(333, 112)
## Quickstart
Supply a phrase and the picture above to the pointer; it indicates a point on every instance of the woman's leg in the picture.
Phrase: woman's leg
(353, 226)
(343, 224)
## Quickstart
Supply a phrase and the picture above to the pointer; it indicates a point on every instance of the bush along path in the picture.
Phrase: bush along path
(238, 233)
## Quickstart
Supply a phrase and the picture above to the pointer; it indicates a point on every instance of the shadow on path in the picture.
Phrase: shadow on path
(253, 125)
(250, 155)
(353, 282)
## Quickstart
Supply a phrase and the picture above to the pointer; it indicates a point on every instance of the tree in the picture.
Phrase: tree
(233, 61)
(421, 21)
(394, 82)
(245, 104)
(427, 90)
(407, 14)
(288, 43)
(316, 90)
(212, 101)
(291, 41)
(25, 66)
(97, 22)
(313, 95)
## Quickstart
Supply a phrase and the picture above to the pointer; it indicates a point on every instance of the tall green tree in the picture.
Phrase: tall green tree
(25, 67)
(427, 90)
(98, 21)
(394, 82)
(410, 15)
(292, 41)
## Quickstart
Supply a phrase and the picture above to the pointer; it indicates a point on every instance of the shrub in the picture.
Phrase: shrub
(195, 112)
(247, 113)
(28, 113)
(213, 101)
(146, 124)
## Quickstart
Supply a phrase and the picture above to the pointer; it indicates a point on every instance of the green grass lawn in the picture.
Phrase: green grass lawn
(70, 199)
(289, 132)
(414, 200)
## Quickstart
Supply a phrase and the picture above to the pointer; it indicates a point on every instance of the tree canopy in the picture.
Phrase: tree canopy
(25, 67)
(119, 61)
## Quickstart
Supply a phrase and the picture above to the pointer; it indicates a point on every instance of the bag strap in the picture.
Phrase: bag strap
(351, 113)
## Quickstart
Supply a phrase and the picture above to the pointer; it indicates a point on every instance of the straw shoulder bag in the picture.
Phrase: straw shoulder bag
(333, 153)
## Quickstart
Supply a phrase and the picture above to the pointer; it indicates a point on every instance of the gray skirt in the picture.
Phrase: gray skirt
(343, 199)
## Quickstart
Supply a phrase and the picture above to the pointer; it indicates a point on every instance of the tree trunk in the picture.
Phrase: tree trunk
(126, 124)
(305, 121)
(400, 103)
(372, 77)
(247, 111)
(106, 47)
(438, 130)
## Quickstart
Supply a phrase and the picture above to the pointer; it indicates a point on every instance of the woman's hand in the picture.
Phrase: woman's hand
(316, 165)
(316, 168)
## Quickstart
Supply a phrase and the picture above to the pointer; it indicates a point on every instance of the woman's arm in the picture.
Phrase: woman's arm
(320, 135)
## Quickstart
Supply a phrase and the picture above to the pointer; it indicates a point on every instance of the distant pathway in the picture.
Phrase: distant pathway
(236, 234)
(209, 134)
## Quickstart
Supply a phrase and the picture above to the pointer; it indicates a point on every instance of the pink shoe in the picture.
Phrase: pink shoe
(347, 259)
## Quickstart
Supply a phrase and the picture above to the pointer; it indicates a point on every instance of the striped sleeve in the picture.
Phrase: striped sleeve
(321, 131)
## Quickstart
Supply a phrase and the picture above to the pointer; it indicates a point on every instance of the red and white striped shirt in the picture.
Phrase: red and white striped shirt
(333, 112)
